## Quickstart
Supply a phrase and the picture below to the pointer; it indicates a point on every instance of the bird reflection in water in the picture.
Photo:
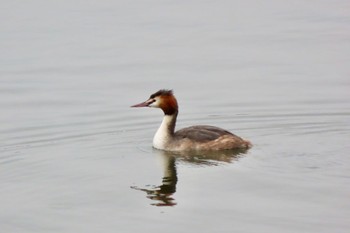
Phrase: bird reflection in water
(163, 194)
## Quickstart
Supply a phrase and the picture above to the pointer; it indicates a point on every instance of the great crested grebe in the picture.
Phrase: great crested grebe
(200, 137)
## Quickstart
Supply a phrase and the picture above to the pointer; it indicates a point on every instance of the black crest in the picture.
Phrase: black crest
(161, 92)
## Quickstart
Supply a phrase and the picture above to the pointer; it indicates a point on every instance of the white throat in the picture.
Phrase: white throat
(165, 132)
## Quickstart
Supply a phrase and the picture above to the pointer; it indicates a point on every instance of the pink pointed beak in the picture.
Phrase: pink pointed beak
(144, 104)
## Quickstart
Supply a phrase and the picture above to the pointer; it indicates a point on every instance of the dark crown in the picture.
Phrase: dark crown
(163, 92)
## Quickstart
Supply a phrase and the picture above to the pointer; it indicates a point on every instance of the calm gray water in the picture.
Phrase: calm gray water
(75, 158)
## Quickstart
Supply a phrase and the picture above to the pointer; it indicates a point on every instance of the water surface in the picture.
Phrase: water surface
(75, 158)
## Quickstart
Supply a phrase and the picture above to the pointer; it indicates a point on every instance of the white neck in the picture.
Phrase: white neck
(165, 132)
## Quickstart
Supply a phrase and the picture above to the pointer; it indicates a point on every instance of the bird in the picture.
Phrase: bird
(193, 138)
